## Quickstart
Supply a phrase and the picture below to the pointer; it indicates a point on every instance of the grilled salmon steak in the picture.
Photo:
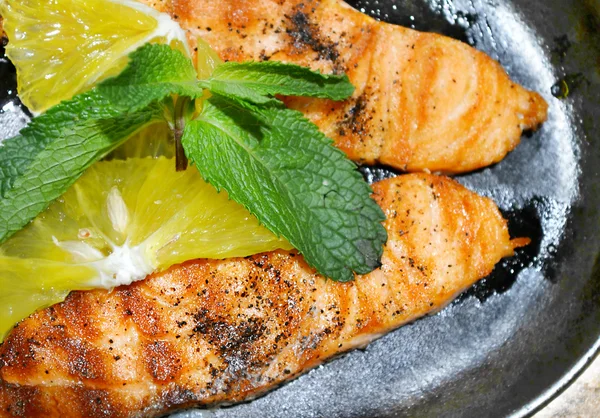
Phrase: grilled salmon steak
(210, 331)
(422, 101)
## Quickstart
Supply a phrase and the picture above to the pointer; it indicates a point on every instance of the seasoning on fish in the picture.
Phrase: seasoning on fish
(422, 101)
(209, 331)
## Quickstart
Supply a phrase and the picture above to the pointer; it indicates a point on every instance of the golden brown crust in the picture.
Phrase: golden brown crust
(422, 101)
(212, 331)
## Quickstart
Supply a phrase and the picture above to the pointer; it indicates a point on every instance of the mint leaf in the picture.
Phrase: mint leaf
(154, 72)
(62, 161)
(239, 91)
(17, 153)
(254, 80)
(287, 173)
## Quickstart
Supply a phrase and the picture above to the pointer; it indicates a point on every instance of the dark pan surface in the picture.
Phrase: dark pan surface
(517, 338)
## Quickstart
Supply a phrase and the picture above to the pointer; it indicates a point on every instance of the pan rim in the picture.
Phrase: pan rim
(561, 385)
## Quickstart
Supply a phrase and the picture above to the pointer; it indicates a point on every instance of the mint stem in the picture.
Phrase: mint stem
(181, 161)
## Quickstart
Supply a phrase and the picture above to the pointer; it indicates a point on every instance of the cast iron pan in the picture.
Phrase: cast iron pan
(519, 337)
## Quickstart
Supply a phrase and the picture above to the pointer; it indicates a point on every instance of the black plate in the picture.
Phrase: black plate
(519, 337)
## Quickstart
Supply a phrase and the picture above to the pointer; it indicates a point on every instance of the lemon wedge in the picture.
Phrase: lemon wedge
(64, 47)
(122, 220)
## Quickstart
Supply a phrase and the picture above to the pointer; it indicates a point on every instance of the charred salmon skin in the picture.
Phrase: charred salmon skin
(213, 331)
(422, 101)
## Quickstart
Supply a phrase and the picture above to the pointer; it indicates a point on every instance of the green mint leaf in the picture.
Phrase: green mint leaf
(252, 80)
(17, 153)
(154, 72)
(290, 176)
(238, 91)
(66, 155)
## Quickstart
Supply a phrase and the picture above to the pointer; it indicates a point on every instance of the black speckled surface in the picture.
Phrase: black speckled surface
(13, 116)
(508, 345)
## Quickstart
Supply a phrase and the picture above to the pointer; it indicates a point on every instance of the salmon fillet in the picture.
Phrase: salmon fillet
(422, 101)
(211, 331)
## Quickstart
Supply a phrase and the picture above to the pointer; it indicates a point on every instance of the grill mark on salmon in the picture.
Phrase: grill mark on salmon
(222, 331)
(422, 101)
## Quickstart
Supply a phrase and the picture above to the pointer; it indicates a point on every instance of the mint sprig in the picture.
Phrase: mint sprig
(268, 158)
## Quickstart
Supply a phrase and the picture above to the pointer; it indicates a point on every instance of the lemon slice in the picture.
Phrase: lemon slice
(122, 220)
(63, 47)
